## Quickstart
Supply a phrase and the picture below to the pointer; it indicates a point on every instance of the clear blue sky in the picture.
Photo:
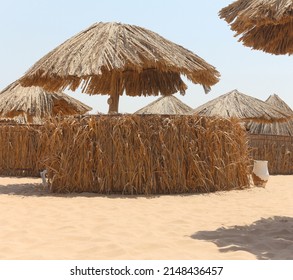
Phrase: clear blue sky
(29, 29)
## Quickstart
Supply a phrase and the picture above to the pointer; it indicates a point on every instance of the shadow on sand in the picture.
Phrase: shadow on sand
(24, 189)
(37, 189)
(267, 239)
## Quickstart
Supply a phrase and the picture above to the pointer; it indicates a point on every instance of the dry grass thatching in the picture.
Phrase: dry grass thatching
(274, 39)
(8, 121)
(263, 24)
(279, 103)
(244, 13)
(34, 103)
(276, 149)
(284, 128)
(146, 154)
(241, 106)
(112, 58)
(275, 128)
(166, 105)
(21, 150)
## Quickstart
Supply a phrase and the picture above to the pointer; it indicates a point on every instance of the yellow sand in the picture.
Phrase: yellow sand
(38, 225)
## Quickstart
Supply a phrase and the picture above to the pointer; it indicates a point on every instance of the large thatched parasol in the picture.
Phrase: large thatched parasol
(112, 58)
(166, 105)
(263, 24)
(275, 128)
(241, 106)
(34, 103)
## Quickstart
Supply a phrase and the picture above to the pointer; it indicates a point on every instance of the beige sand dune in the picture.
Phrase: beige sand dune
(256, 223)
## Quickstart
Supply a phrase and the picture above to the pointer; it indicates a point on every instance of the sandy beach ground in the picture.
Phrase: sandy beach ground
(256, 223)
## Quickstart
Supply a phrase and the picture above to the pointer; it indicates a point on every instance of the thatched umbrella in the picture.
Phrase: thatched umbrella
(263, 24)
(110, 58)
(241, 106)
(275, 128)
(34, 103)
(166, 105)
(278, 102)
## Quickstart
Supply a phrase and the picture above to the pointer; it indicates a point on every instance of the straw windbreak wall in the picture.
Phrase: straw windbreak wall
(20, 150)
(276, 149)
(151, 154)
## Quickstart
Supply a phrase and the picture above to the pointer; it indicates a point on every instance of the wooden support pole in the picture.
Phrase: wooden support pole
(116, 90)
(113, 102)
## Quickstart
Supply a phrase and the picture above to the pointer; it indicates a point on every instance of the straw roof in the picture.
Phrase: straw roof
(166, 105)
(276, 128)
(34, 103)
(244, 13)
(112, 58)
(276, 101)
(263, 24)
(242, 106)
(274, 39)
(284, 128)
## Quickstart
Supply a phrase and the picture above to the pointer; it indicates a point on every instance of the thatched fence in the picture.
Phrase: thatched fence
(130, 154)
(146, 154)
(276, 149)
(20, 149)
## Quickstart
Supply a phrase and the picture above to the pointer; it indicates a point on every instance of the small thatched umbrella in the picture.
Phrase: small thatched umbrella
(166, 105)
(275, 128)
(278, 102)
(110, 58)
(32, 104)
(263, 24)
(241, 106)
(284, 128)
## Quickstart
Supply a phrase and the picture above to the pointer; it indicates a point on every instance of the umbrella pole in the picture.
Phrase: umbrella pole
(113, 102)
(116, 89)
